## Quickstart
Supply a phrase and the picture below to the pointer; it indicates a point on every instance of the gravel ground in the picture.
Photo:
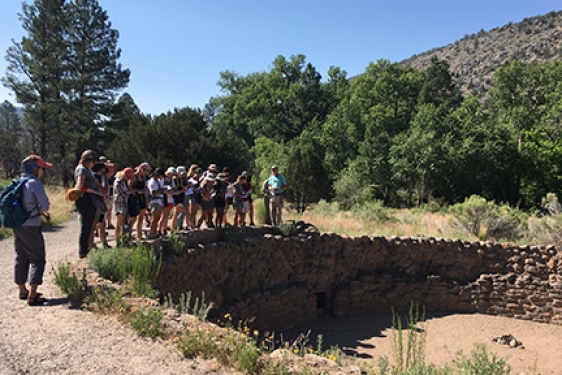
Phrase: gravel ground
(55, 339)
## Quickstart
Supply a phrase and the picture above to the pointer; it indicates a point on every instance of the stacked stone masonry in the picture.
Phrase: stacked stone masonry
(281, 282)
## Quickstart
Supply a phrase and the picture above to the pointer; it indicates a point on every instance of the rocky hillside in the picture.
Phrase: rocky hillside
(474, 58)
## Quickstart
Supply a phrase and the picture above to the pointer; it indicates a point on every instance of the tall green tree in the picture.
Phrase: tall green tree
(94, 73)
(36, 68)
(11, 134)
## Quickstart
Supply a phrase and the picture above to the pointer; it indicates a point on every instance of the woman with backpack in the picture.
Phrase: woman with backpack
(28, 238)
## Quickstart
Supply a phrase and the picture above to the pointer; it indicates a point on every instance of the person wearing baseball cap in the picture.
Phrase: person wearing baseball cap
(277, 186)
(28, 239)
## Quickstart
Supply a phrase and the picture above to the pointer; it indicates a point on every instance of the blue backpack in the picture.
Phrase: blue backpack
(12, 211)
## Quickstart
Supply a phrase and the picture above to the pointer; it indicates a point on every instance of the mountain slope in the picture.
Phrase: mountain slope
(474, 58)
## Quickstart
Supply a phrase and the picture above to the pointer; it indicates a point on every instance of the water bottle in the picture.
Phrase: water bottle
(127, 228)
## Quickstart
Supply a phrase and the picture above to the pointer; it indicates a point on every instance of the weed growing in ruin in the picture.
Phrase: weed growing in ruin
(288, 229)
(479, 362)
(147, 322)
(405, 358)
(230, 233)
(67, 283)
(175, 244)
(200, 308)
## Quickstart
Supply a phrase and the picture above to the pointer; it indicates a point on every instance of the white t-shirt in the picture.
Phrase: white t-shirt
(154, 185)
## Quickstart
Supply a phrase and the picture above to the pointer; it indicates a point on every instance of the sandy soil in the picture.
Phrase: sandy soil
(369, 337)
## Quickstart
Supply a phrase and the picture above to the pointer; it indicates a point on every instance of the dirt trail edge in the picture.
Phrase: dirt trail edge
(55, 339)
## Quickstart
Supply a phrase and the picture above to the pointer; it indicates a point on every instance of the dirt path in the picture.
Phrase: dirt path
(54, 339)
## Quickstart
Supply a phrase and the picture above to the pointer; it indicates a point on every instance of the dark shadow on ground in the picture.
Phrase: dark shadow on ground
(350, 333)
(53, 228)
(57, 301)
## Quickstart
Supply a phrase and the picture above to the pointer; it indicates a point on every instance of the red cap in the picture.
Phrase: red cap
(38, 160)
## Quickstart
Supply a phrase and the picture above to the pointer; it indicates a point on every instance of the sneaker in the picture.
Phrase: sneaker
(110, 226)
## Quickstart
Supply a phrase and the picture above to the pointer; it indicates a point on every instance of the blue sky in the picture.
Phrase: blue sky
(176, 49)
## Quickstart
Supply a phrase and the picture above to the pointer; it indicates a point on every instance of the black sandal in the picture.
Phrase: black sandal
(38, 300)
(24, 295)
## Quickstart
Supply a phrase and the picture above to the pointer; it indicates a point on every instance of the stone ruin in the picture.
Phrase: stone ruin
(284, 282)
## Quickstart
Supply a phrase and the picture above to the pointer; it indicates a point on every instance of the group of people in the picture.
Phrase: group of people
(164, 199)
(137, 196)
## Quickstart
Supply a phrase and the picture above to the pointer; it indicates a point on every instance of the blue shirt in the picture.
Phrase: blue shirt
(277, 182)
(34, 199)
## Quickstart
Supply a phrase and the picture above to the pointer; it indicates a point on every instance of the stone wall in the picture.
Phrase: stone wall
(286, 282)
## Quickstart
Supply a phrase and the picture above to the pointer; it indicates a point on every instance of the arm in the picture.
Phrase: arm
(81, 185)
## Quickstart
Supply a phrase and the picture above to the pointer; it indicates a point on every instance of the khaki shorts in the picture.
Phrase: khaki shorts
(156, 207)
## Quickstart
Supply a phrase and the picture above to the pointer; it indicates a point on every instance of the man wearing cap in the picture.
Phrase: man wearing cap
(277, 186)
(28, 239)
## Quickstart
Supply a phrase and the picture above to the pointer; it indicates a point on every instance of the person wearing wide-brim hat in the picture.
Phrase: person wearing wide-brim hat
(28, 239)
(207, 200)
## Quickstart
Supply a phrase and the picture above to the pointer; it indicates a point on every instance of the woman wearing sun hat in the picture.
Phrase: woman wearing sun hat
(28, 239)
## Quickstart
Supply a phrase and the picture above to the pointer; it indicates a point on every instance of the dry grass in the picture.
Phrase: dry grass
(408, 223)
(60, 209)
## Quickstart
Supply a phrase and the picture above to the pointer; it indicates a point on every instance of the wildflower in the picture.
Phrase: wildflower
(227, 316)
(243, 335)
(256, 332)
(176, 339)
(296, 351)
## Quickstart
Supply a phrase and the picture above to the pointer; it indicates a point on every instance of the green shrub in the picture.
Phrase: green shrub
(325, 209)
(5, 233)
(479, 362)
(147, 322)
(372, 211)
(486, 220)
(68, 284)
(145, 268)
(112, 264)
(198, 343)
(287, 229)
